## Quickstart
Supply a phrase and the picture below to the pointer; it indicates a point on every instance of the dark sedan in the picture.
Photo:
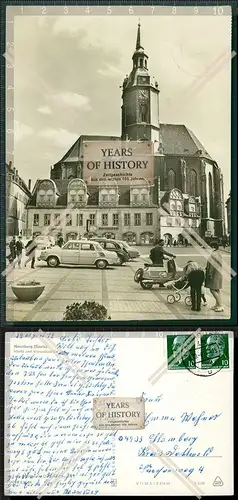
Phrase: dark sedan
(113, 246)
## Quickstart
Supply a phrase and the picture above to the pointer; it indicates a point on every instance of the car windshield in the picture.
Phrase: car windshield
(66, 245)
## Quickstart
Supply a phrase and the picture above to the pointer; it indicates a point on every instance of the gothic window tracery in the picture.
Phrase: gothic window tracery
(193, 183)
(211, 194)
(171, 179)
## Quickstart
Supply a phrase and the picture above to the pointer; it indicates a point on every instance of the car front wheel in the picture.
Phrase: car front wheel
(101, 264)
(53, 261)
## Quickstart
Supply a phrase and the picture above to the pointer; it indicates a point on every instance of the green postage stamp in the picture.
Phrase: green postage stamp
(185, 352)
(215, 350)
(180, 352)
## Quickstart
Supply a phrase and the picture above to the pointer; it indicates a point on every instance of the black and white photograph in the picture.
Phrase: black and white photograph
(118, 167)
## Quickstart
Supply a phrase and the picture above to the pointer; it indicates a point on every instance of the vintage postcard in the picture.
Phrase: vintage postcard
(118, 164)
(104, 414)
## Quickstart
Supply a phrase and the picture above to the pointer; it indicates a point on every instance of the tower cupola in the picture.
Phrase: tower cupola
(139, 57)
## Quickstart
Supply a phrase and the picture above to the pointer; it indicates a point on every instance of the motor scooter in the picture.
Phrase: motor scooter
(152, 274)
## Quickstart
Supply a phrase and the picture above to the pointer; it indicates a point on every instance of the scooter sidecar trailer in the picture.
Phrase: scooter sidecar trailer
(152, 275)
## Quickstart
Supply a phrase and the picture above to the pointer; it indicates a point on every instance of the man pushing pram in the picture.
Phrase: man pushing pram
(194, 278)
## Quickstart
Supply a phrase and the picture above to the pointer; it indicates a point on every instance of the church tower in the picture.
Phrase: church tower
(140, 96)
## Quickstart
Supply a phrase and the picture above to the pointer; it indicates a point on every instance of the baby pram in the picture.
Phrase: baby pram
(178, 286)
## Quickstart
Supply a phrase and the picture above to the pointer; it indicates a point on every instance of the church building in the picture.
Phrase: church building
(186, 192)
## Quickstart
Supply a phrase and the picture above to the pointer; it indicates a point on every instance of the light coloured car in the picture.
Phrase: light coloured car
(131, 251)
(80, 253)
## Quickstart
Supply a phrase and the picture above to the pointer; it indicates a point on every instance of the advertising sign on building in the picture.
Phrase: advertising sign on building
(123, 162)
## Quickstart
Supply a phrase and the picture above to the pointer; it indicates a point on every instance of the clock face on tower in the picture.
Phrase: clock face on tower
(143, 95)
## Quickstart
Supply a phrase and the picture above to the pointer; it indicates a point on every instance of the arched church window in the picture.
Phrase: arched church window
(171, 179)
(141, 63)
(145, 63)
(193, 183)
(211, 194)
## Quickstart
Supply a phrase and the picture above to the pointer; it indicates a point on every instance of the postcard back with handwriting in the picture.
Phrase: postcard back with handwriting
(94, 415)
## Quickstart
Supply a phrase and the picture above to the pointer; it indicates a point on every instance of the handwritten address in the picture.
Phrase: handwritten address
(119, 413)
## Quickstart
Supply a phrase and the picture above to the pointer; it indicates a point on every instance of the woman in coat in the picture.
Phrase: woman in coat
(213, 277)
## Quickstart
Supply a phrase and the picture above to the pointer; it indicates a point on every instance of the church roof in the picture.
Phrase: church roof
(74, 153)
(176, 140)
(179, 140)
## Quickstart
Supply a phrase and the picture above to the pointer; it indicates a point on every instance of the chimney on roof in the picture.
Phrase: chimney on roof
(29, 184)
(10, 164)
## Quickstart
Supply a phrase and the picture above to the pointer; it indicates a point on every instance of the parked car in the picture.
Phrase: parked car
(81, 253)
(114, 246)
(131, 251)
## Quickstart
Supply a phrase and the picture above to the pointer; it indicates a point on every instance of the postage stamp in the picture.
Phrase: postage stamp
(215, 350)
(118, 413)
(180, 352)
(203, 354)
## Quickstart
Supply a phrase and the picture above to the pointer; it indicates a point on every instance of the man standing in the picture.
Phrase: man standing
(195, 276)
(19, 248)
(31, 252)
(12, 248)
(60, 241)
(157, 254)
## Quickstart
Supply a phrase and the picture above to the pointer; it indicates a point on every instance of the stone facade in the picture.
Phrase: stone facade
(17, 197)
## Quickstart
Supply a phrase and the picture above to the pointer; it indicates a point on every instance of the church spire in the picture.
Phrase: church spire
(138, 44)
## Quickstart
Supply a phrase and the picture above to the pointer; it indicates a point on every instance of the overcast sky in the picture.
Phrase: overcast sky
(68, 71)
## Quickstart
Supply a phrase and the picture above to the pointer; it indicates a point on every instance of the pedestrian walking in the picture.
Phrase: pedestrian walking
(19, 248)
(30, 249)
(13, 253)
(213, 278)
(195, 276)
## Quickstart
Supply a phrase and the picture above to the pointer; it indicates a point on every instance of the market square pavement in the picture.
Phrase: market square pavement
(114, 287)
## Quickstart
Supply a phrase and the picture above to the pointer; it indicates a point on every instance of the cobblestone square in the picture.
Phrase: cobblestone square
(115, 288)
